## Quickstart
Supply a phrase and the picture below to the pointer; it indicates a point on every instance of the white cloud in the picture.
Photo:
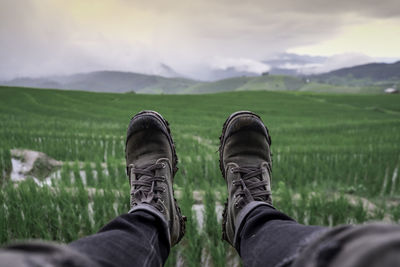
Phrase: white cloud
(336, 62)
(308, 66)
(240, 64)
(46, 37)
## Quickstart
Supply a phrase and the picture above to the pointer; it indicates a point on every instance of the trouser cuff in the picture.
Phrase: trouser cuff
(155, 212)
(241, 219)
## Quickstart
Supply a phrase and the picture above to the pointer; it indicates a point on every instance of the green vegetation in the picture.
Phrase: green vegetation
(342, 89)
(225, 85)
(368, 78)
(258, 83)
(288, 83)
(336, 160)
(362, 75)
(108, 81)
(273, 83)
(354, 80)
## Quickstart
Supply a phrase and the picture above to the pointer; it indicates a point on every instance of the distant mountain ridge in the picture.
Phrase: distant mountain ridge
(108, 81)
(372, 78)
(373, 71)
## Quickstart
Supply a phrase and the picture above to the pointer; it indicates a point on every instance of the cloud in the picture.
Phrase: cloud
(240, 65)
(41, 38)
(336, 62)
(46, 37)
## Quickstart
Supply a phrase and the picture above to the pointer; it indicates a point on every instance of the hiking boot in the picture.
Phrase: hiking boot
(151, 165)
(246, 165)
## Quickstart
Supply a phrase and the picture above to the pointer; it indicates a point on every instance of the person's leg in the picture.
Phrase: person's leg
(370, 245)
(142, 237)
(39, 253)
(262, 235)
(268, 237)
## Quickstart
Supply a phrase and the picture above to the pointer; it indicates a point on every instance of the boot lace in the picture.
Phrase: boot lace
(253, 187)
(145, 188)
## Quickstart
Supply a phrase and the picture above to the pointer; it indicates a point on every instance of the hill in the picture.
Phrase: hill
(369, 78)
(280, 83)
(368, 74)
(108, 81)
(225, 85)
(258, 83)
(121, 82)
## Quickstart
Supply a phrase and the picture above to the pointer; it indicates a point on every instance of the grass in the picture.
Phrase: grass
(224, 85)
(341, 89)
(336, 159)
(273, 83)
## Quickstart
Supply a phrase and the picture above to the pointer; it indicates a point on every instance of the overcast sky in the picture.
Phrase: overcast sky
(46, 37)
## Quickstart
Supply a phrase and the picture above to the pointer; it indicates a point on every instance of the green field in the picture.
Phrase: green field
(335, 160)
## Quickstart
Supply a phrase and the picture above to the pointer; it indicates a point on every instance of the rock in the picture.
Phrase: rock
(29, 163)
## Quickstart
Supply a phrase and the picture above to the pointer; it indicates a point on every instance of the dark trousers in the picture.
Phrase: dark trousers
(133, 239)
(268, 238)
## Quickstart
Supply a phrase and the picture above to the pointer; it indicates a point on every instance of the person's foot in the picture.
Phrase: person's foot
(246, 165)
(151, 165)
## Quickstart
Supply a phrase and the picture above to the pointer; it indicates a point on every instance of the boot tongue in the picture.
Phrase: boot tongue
(145, 161)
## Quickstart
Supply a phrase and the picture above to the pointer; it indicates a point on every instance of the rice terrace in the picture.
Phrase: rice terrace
(336, 160)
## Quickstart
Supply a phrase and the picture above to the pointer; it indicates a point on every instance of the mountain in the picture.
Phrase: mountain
(264, 82)
(166, 71)
(108, 81)
(120, 82)
(368, 78)
(372, 71)
(281, 64)
(230, 72)
(224, 85)
(377, 75)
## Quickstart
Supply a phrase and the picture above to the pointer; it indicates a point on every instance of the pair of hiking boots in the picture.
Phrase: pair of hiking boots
(245, 163)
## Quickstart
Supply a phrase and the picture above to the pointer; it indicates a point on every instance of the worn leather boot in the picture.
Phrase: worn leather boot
(245, 163)
(151, 165)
